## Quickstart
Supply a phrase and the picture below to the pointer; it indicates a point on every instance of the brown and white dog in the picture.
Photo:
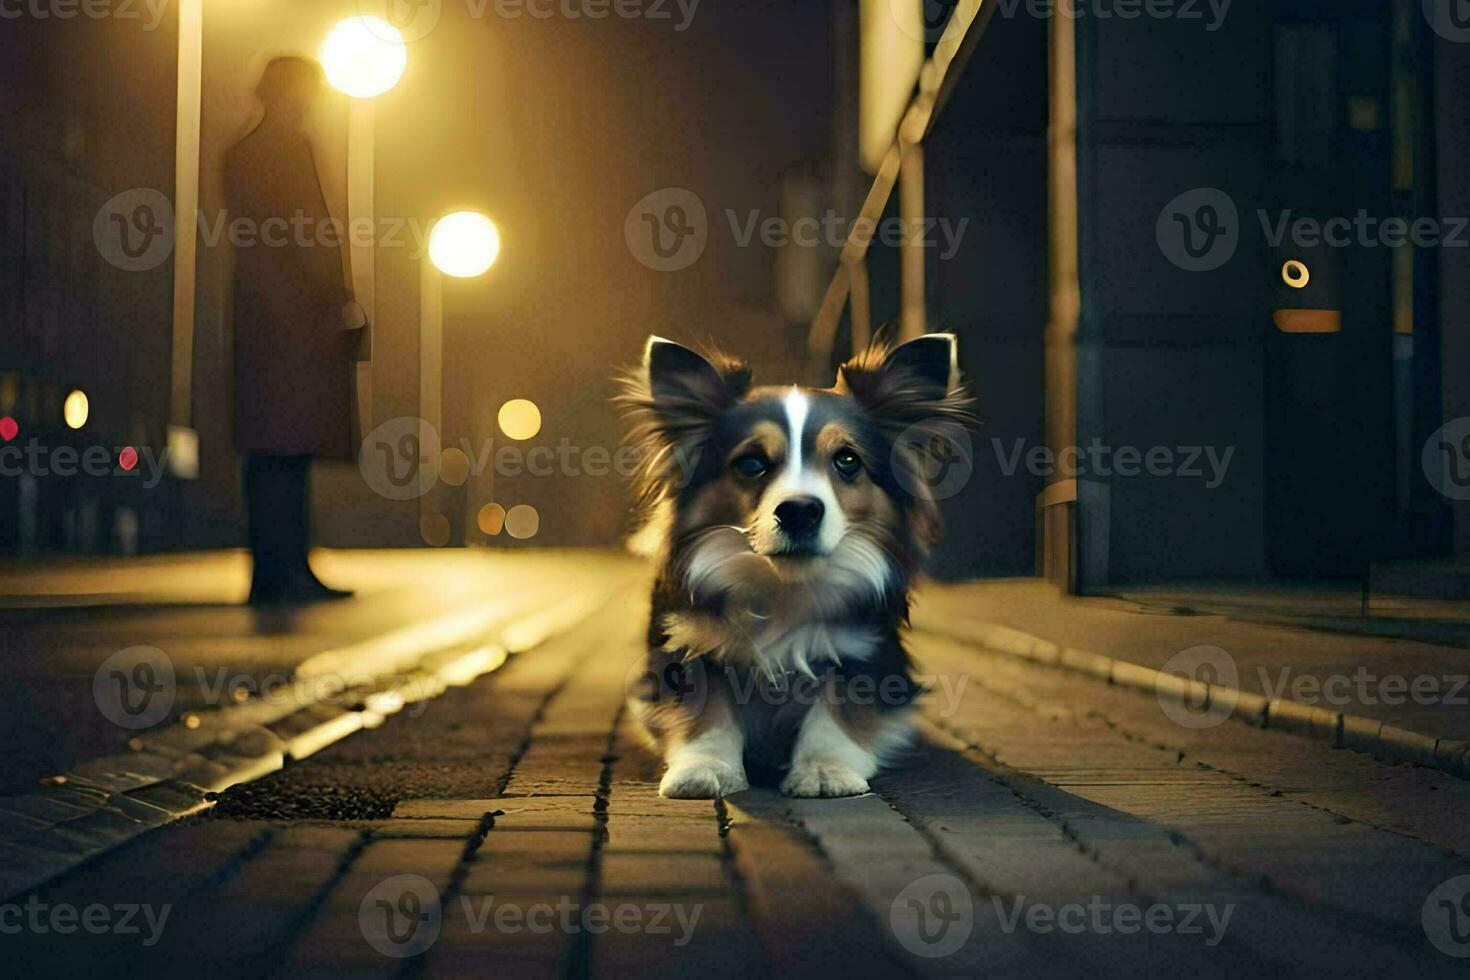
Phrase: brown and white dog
(792, 522)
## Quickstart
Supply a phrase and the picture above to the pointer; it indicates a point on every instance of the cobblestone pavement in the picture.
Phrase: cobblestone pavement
(1046, 825)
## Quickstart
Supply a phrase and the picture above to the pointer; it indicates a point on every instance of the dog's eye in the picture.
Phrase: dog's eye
(751, 465)
(846, 462)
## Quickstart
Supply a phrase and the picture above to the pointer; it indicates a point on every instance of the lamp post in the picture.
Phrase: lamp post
(183, 439)
(363, 57)
(462, 245)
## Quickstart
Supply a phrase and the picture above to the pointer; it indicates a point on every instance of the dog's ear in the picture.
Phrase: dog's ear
(915, 396)
(909, 384)
(671, 401)
(686, 389)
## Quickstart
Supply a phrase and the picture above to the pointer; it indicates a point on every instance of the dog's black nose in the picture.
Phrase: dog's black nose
(800, 517)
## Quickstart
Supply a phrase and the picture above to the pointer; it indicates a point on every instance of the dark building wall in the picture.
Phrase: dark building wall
(1452, 131)
(986, 164)
(1284, 108)
(1167, 357)
(86, 113)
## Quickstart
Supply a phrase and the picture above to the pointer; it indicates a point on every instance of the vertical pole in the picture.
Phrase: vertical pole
(431, 375)
(911, 252)
(1066, 291)
(861, 307)
(186, 208)
(361, 207)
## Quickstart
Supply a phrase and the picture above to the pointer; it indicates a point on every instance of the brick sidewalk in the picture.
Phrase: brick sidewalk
(1368, 676)
(513, 827)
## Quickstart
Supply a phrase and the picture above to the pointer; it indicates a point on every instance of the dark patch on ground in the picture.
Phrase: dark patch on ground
(268, 800)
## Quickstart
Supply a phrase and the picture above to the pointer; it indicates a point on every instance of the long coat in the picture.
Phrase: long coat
(293, 392)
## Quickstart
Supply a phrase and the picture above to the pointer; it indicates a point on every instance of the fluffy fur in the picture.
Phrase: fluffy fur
(788, 523)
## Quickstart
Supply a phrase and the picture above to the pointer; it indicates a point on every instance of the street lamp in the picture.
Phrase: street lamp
(464, 245)
(363, 57)
(75, 409)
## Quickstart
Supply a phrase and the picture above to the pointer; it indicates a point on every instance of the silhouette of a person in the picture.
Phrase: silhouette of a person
(294, 321)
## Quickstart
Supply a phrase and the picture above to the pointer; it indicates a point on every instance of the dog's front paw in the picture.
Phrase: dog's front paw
(823, 779)
(703, 780)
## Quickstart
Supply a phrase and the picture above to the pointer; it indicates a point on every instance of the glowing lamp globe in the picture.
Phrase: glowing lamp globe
(75, 409)
(364, 57)
(464, 244)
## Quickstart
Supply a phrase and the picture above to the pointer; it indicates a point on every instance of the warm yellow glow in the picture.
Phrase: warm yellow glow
(75, 409)
(491, 519)
(364, 56)
(464, 244)
(520, 418)
(522, 521)
(1296, 274)
(454, 467)
(434, 529)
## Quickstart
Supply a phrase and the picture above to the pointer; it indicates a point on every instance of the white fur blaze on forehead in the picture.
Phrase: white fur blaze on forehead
(797, 407)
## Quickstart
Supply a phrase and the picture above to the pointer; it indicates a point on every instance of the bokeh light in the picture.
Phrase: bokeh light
(364, 57)
(75, 409)
(519, 418)
(522, 521)
(434, 529)
(491, 519)
(464, 244)
(454, 467)
(128, 458)
(1296, 274)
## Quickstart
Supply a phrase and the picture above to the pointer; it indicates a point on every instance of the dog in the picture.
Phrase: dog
(791, 522)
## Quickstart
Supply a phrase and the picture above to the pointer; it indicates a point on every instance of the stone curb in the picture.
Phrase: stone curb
(1361, 734)
(46, 833)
